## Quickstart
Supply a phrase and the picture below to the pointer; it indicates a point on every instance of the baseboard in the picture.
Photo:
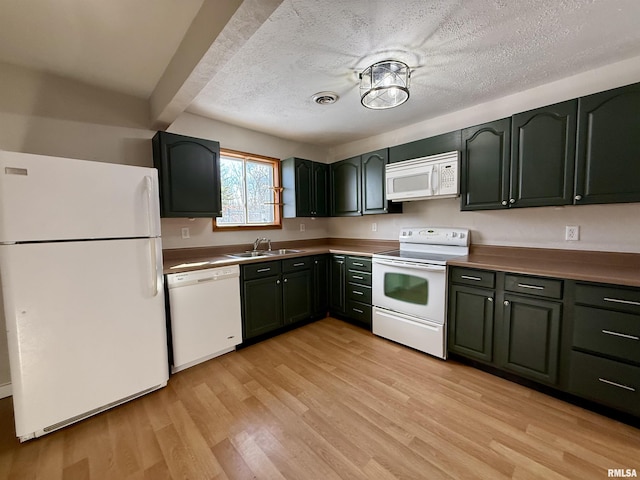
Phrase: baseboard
(5, 390)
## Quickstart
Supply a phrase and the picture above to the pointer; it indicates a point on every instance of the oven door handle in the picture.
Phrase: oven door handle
(417, 266)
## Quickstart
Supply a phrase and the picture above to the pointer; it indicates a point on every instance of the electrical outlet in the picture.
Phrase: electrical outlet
(302, 227)
(374, 227)
(572, 233)
(185, 232)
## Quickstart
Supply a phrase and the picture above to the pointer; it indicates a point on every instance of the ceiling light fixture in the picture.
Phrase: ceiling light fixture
(385, 84)
(325, 98)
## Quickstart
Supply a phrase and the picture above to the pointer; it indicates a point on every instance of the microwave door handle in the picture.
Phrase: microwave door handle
(432, 179)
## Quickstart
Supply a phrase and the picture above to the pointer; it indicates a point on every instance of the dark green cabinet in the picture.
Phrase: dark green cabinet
(337, 284)
(529, 343)
(305, 188)
(608, 156)
(275, 294)
(447, 142)
(346, 198)
(189, 175)
(471, 320)
(542, 156)
(320, 286)
(358, 186)
(484, 172)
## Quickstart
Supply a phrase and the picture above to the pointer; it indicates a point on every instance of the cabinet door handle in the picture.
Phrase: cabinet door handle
(489, 299)
(299, 264)
(357, 310)
(506, 303)
(357, 292)
(512, 200)
(533, 287)
(578, 197)
(358, 264)
(277, 282)
(469, 277)
(619, 385)
(357, 277)
(618, 334)
(504, 202)
(260, 270)
(617, 300)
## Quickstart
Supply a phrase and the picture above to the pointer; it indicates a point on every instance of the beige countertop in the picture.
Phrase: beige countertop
(603, 267)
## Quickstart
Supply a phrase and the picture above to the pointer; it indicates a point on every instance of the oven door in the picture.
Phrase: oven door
(410, 288)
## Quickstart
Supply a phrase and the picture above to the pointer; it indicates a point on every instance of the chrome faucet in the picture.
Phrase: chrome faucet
(259, 240)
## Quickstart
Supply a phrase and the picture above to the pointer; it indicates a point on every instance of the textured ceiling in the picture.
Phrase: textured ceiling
(271, 56)
(462, 53)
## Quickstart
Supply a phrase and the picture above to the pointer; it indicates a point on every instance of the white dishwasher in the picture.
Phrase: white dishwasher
(205, 314)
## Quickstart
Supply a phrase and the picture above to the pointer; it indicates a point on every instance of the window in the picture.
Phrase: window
(250, 187)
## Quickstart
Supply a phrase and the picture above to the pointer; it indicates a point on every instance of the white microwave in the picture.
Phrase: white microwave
(435, 176)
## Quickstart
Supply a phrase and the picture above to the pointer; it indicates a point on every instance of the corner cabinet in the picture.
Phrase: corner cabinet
(608, 158)
(306, 188)
(358, 186)
(189, 175)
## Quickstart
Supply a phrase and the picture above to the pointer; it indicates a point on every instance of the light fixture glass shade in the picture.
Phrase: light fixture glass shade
(385, 85)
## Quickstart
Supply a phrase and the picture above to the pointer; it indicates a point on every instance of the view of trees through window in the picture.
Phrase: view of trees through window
(247, 191)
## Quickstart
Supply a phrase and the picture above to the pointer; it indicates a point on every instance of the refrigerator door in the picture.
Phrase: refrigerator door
(50, 198)
(86, 327)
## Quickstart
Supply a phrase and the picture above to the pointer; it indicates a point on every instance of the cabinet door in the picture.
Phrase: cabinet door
(373, 183)
(304, 187)
(296, 296)
(530, 338)
(345, 188)
(337, 284)
(189, 173)
(608, 165)
(471, 318)
(320, 184)
(446, 142)
(262, 305)
(320, 285)
(484, 176)
(542, 155)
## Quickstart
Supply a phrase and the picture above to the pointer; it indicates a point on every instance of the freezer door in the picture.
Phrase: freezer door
(52, 198)
(85, 325)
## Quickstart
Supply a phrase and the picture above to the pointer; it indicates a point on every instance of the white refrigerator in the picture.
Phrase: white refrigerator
(82, 287)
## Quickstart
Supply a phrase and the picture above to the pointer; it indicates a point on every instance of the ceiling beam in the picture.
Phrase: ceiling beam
(218, 31)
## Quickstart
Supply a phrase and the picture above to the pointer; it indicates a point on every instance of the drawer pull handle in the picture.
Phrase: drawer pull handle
(358, 264)
(469, 277)
(357, 277)
(617, 300)
(619, 385)
(260, 270)
(298, 264)
(623, 335)
(533, 287)
(357, 292)
(357, 310)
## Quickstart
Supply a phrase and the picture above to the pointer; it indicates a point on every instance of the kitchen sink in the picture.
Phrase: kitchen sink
(282, 251)
(250, 254)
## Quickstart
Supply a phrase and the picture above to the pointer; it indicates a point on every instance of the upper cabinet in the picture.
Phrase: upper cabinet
(523, 161)
(189, 175)
(358, 186)
(608, 159)
(306, 188)
(484, 172)
(447, 142)
(542, 156)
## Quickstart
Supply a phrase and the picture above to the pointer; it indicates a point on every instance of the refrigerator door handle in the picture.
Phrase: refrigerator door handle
(154, 266)
(149, 188)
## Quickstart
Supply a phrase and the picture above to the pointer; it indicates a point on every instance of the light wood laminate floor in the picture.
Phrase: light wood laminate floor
(329, 401)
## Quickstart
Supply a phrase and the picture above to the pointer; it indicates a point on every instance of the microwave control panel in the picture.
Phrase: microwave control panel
(448, 178)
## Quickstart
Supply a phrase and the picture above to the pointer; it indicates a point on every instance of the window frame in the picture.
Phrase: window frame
(277, 192)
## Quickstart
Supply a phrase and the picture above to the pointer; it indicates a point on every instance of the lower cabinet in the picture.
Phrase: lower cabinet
(275, 294)
(320, 288)
(350, 288)
(471, 319)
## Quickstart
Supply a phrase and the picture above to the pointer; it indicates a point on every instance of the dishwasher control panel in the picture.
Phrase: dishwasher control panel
(199, 276)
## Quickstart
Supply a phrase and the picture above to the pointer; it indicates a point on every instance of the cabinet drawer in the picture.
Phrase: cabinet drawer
(359, 311)
(361, 278)
(613, 298)
(542, 287)
(606, 381)
(294, 264)
(360, 264)
(359, 293)
(610, 333)
(467, 276)
(260, 270)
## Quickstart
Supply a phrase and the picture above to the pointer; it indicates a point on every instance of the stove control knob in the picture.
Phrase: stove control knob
(461, 235)
(454, 234)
